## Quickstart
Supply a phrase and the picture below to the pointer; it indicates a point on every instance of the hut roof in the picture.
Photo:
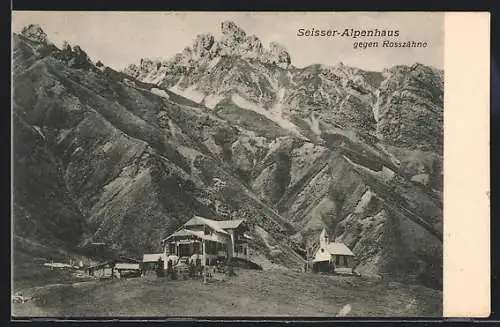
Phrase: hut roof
(127, 266)
(339, 249)
(229, 224)
(332, 249)
(197, 220)
(152, 257)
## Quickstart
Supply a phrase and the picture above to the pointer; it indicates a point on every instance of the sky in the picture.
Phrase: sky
(122, 38)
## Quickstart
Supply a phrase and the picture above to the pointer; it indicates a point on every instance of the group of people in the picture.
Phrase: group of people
(191, 268)
(195, 269)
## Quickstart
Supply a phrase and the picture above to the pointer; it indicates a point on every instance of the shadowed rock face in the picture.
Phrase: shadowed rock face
(243, 134)
(410, 108)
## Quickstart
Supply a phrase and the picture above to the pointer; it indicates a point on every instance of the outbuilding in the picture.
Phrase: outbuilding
(332, 257)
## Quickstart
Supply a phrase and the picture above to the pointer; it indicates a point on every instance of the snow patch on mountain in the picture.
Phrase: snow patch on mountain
(189, 93)
(277, 109)
(376, 106)
(314, 122)
(245, 104)
(211, 101)
(395, 161)
(159, 92)
(155, 76)
(364, 202)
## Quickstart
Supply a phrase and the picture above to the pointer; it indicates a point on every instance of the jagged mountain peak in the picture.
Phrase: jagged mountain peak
(34, 33)
(234, 42)
(74, 55)
(229, 28)
(204, 41)
(279, 55)
(236, 68)
(35, 43)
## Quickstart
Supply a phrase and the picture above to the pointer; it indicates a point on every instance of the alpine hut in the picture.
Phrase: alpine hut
(332, 257)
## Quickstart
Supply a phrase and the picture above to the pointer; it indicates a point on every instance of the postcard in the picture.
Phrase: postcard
(250, 164)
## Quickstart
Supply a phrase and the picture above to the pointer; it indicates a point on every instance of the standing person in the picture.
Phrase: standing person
(169, 269)
(230, 268)
(198, 267)
(159, 268)
(157, 265)
(191, 268)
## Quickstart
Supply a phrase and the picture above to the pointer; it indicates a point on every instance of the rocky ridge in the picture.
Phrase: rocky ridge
(237, 69)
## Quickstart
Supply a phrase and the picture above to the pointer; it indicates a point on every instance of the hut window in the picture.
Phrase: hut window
(341, 260)
(322, 250)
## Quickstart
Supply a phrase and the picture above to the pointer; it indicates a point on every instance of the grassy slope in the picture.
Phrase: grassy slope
(254, 293)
